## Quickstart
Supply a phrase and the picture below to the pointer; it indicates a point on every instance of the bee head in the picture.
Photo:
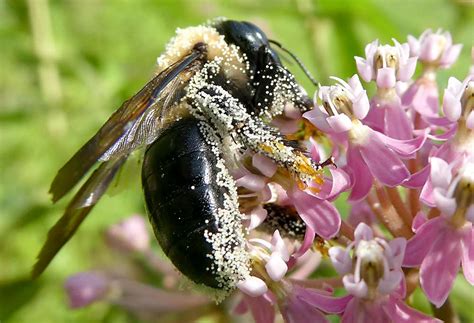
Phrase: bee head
(250, 39)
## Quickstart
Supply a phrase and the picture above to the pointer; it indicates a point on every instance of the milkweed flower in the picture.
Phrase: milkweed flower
(435, 51)
(387, 66)
(86, 288)
(372, 275)
(451, 234)
(370, 154)
(129, 235)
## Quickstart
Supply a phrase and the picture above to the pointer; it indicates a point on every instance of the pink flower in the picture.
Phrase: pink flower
(308, 305)
(435, 49)
(129, 235)
(370, 153)
(273, 257)
(386, 64)
(451, 235)
(86, 288)
(374, 279)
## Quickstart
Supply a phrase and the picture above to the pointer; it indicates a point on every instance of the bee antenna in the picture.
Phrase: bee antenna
(297, 60)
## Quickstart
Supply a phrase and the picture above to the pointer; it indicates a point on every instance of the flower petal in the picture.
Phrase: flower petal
(403, 147)
(397, 124)
(265, 165)
(322, 300)
(364, 69)
(398, 311)
(386, 78)
(451, 106)
(363, 232)
(276, 267)
(360, 174)
(339, 123)
(252, 286)
(261, 308)
(321, 216)
(383, 163)
(341, 260)
(252, 182)
(358, 289)
(405, 72)
(257, 216)
(440, 266)
(417, 248)
(418, 179)
(86, 288)
(468, 255)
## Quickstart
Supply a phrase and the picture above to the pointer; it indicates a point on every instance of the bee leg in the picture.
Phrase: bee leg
(229, 116)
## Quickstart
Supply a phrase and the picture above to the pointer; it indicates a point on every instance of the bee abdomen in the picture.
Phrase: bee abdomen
(183, 199)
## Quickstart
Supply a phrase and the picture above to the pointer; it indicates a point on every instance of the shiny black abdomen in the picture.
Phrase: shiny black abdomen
(178, 179)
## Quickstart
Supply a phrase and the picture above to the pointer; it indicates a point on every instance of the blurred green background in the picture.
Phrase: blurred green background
(65, 66)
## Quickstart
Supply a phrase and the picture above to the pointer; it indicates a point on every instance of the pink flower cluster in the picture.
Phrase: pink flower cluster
(405, 157)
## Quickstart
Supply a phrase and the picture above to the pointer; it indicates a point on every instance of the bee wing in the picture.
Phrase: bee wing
(80, 206)
(117, 126)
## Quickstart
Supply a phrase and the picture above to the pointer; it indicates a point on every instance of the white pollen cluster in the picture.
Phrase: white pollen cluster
(230, 259)
(184, 41)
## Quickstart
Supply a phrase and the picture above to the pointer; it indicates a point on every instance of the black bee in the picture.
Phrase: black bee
(217, 87)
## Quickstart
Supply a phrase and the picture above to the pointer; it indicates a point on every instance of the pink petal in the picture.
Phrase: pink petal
(390, 282)
(331, 188)
(418, 179)
(321, 300)
(446, 205)
(397, 250)
(257, 216)
(321, 216)
(468, 255)
(358, 311)
(361, 177)
(397, 124)
(297, 311)
(278, 245)
(386, 77)
(276, 267)
(252, 182)
(356, 288)
(405, 72)
(306, 244)
(398, 311)
(241, 308)
(383, 163)
(364, 69)
(440, 172)
(253, 286)
(402, 147)
(417, 248)
(261, 308)
(418, 221)
(86, 288)
(318, 118)
(363, 232)
(265, 165)
(440, 266)
(339, 123)
(341, 260)
(450, 55)
(451, 106)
